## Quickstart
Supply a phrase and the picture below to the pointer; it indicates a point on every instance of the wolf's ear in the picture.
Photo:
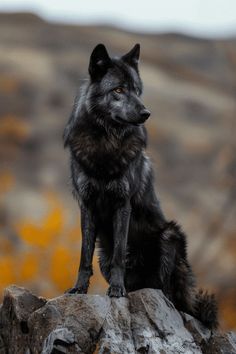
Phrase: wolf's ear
(132, 56)
(99, 62)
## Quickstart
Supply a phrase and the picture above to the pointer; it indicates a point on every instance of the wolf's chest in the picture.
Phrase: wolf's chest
(100, 191)
(103, 158)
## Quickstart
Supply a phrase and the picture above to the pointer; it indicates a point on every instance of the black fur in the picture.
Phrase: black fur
(113, 181)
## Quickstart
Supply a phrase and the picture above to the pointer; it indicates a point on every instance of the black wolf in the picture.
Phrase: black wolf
(112, 179)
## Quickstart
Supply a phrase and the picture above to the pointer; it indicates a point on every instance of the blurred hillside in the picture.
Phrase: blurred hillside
(190, 88)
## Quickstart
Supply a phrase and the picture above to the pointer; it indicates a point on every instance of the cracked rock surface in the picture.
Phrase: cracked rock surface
(144, 322)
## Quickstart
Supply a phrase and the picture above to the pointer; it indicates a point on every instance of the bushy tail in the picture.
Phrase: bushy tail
(206, 310)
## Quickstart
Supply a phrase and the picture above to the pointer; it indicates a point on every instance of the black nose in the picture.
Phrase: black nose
(145, 114)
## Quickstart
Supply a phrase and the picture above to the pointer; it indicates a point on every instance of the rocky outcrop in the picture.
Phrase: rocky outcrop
(145, 322)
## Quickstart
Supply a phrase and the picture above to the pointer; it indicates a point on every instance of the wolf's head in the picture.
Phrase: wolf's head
(115, 87)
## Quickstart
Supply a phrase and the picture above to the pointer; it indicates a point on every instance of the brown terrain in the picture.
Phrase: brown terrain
(190, 88)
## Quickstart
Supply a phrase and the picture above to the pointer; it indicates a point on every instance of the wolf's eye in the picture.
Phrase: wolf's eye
(119, 90)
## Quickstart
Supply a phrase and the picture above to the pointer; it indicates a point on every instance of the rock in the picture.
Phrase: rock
(221, 344)
(200, 333)
(82, 315)
(157, 326)
(18, 305)
(144, 322)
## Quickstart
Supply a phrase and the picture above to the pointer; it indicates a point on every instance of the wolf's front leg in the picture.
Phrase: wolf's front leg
(120, 235)
(88, 245)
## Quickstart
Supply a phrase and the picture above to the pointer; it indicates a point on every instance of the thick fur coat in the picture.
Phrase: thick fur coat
(113, 181)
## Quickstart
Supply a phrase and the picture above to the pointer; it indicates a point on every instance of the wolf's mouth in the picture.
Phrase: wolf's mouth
(123, 121)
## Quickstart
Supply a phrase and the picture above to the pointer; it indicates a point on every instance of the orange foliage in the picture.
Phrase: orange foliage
(227, 307)
(61, 268)
(6, 246)
(49, 253)
(7, 274)
(230, 244)
(28, 267)
(14, 128)
(74, 233)
(44, 234)
(98, 283)
(6, 181)
(8, 84)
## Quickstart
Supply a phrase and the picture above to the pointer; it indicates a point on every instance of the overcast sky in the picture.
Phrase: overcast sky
(199, 17)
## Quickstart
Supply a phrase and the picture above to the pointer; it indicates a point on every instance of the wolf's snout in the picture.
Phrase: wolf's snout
(145, 114)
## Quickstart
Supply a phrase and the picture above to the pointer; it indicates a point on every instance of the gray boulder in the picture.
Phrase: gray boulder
(144, 322)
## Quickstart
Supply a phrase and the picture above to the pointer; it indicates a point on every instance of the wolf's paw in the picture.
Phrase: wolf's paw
(116, 291)
(76, 290)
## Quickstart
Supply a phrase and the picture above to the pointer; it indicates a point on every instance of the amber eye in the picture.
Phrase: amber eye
(119, 90)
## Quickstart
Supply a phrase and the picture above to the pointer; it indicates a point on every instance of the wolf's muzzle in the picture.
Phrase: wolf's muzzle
(144, 114)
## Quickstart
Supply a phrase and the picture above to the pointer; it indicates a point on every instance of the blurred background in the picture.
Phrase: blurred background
(188, 66)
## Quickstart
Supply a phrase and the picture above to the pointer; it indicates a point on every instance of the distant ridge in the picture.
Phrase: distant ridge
(20, 17)
(32, 18)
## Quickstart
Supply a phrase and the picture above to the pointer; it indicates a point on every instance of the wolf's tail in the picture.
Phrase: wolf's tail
(206, 310)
